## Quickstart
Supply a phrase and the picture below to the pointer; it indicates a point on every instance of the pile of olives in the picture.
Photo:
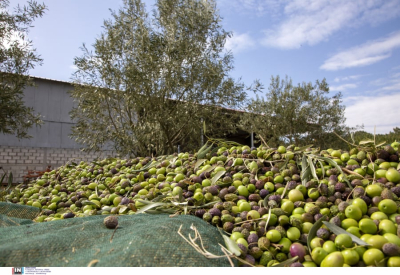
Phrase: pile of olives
(263, 198)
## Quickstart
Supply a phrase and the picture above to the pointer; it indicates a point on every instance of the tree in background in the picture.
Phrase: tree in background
(388, 138)
(300, 115)
(151, 80)
(17, 57)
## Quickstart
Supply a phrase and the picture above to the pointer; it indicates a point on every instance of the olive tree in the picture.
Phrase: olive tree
(151, 79)
(301, 115)
(17, 57)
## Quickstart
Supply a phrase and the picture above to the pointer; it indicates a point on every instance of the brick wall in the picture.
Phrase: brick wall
(19, 160)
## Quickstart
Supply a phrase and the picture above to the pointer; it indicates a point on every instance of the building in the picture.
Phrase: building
(50, 144)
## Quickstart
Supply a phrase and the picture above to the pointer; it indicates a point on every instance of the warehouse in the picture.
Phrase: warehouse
(51, 144)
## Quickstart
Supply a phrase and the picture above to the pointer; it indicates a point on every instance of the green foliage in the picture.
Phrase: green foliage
(17, 57)
(300, 115)
(151, 80)
(5, 190)
(388, 138)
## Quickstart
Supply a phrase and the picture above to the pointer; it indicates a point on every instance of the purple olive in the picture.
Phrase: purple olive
(297, 249)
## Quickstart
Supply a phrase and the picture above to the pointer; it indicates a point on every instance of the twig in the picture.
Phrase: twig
(227, 255)
(174, 215)
(112, 236)
(92, 262)
(249, 221)
(344, 139)
(263, 140)
(193, 244)
(352, 172)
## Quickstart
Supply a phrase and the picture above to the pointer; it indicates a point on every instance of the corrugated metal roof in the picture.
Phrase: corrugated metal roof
(50, 79)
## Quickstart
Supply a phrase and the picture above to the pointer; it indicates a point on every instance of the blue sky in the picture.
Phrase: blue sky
(354, 44)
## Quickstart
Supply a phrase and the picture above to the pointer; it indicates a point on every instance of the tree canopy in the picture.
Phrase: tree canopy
(301, 115)
(151, 79)
(17, 57)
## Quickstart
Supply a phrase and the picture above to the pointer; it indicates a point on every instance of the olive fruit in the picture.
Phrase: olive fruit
(111, 222)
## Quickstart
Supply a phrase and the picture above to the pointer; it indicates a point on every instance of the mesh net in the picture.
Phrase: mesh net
(15, 214)
(140, 240)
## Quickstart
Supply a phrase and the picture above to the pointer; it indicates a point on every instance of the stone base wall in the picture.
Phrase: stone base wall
(19, 160)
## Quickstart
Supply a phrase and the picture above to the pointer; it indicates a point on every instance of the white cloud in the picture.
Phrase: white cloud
(73, 67)
(313, 21)
(373, 111)
(395, 68)
(239, 42)
(257, 7)
(347, 78)
(363, 55)
(391, 82)
(378, 82)
(343, 87)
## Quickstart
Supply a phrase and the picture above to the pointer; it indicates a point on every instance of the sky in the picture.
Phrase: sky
(354, 45)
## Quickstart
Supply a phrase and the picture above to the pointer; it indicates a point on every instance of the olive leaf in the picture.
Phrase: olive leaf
(147, 166)
(153, 212)
(334, 164)
(284, 191)
(203, 153)
(202, 148)
(230, 244)
(228, 159)
(10, 180)
(380, 144)
(185, 209)
(265, 201)
(312, 168)
(209, 169)
(106, 208)
(122, 209)
(158, 198)
(338, 230)
(217, 176)
(198, 163)
(368, 141)
(305, 170)
(313, 231)
(287, 262)
(86, 202)
(180, 197)
(301, 149)
(2, 178)
(269, 217)
(173, 161)
(150, 206)
(108, 187)
(170, 174)
(203, 205)
(322, 167)
(284, 164)
(352, 137)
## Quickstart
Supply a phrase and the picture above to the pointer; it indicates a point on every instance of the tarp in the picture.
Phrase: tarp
(140, 240)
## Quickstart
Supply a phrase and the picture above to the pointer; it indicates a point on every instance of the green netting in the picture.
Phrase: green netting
(15, 214)
(140, 240)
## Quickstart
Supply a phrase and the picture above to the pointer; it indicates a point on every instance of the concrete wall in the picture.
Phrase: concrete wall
(19, 160)
(50, 144)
